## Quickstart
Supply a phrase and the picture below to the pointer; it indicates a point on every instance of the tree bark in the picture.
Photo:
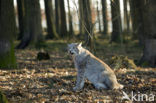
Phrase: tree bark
(98, 17)
(137, 20)
(50, 20)
(149, 52)
(126, 17)
(32, 24)
(105, 16)
(63, 24)
(81, 19)
(57, 16)
(71, 31)
(7, 34)
(20, 7)
(116, 21)
(88, 25)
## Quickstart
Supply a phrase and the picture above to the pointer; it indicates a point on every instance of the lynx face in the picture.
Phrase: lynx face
(74, 48)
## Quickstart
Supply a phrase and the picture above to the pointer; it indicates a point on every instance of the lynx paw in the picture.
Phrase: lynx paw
(100, 86)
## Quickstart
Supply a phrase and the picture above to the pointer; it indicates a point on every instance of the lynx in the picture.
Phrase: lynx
(90, 67)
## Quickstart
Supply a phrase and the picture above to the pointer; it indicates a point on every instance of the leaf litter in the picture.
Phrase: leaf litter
(49, 81)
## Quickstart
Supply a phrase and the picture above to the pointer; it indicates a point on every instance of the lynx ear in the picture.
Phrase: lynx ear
(80, 44)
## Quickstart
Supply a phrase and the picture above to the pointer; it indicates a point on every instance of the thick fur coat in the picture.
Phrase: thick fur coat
(90, 67)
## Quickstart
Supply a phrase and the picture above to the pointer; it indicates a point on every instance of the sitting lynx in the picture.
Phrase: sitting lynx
(90, 67)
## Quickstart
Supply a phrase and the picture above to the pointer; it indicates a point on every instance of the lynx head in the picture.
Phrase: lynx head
(74, 48)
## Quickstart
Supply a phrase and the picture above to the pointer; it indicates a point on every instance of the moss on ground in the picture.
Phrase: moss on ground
(117, 62)
(8, 60)
(3, 98)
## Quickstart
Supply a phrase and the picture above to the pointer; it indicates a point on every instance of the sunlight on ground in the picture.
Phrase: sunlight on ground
(52, 80)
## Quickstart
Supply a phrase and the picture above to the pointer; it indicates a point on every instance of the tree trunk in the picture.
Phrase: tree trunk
(98, 17)
(32, 24)
(149, 53)
(50, 20)
(71, 32)
(126, 17)
(88, 25)
(57, 16)
(63, 25)
(7, 33)
(149, 15)
(81, 19)
(137, 20)
(105, 16)
(116, 21)
(20, 6)
(87, 21)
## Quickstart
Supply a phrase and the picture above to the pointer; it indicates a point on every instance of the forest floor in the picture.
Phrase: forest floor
(50, 81)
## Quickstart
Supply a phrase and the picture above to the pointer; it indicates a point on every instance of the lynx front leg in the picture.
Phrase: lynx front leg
(80, 80)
